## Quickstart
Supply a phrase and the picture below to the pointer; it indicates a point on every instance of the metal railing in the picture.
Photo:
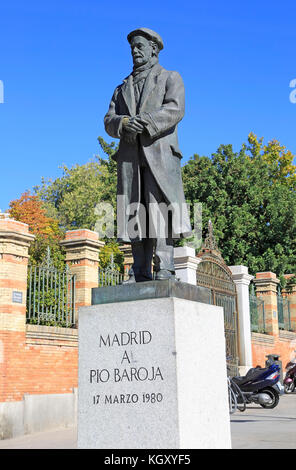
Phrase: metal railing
(257, 312)
(50, 295)
(109, 276)
(284, 312)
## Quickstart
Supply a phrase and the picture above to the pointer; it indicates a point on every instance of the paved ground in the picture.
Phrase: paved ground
(256, 428)
(64, 438)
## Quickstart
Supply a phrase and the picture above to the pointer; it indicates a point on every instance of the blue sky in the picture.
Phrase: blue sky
(61, 60)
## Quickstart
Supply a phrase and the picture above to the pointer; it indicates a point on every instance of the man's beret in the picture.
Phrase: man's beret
(147, 33)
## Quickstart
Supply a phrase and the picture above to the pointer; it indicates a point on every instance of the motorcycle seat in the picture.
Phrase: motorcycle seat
(251, 375)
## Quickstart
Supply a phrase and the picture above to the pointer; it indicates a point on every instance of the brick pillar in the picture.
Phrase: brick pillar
(266, 288)
(82, 256)
(290, 294)
(15, 240)
(128, 258)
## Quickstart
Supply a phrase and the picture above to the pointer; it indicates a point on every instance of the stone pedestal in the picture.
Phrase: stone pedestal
(145, 369)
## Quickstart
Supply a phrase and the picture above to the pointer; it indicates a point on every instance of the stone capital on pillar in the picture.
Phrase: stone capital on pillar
(290, 289)
(186, 264)
(15, 238)
(266, 284)
(242, 279)
(240, 275)
(82, 256)
(82, 244)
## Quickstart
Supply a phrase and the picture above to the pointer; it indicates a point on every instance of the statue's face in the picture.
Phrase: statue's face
(142, 50)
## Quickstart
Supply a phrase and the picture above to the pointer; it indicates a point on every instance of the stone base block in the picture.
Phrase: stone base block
(152, 375)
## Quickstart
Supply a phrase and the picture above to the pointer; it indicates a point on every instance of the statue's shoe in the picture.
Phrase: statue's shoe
(130, 280)
(164, 274)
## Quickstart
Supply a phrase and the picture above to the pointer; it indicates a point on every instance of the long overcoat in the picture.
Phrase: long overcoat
(162, 105)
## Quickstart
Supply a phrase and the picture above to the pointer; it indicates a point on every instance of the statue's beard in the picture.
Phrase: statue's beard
(143, 66)
(141, 63)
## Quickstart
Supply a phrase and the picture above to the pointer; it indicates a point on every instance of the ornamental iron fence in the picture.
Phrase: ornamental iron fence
(257, 312)
(50, 295)
(109, 276)
(284, 312)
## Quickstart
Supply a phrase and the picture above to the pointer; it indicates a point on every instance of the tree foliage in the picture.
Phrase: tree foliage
(30, 210)
(109, 249)
(279, 159)
(72, 198)
(251, 206)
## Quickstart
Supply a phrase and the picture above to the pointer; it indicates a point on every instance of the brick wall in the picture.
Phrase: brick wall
(283, 345)
(33, 359)
(39, 360)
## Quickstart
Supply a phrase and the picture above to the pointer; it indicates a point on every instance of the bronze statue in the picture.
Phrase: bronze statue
(143, 114)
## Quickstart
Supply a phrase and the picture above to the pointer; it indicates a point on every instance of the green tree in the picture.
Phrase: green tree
(111, 248)
(280, 160)
(31, 210)
(253, 214)
(72, 198)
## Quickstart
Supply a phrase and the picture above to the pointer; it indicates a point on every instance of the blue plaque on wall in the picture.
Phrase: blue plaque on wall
(17, 297)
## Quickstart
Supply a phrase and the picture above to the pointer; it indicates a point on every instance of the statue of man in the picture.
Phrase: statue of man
(143, 114)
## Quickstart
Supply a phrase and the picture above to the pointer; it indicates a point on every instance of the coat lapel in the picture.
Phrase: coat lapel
(150, 84)
(129, 95)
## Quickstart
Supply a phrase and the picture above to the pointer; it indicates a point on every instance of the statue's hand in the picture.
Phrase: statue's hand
(142, 120)
(133, 125)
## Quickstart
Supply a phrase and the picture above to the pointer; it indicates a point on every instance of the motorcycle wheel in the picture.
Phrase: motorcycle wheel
(289, 388)
(274, 397)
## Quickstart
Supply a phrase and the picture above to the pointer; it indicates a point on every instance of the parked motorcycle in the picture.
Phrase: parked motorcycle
(261, 386)
(290, 377)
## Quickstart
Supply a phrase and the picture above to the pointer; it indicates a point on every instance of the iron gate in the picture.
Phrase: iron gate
(213, 273)
(50, 295)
